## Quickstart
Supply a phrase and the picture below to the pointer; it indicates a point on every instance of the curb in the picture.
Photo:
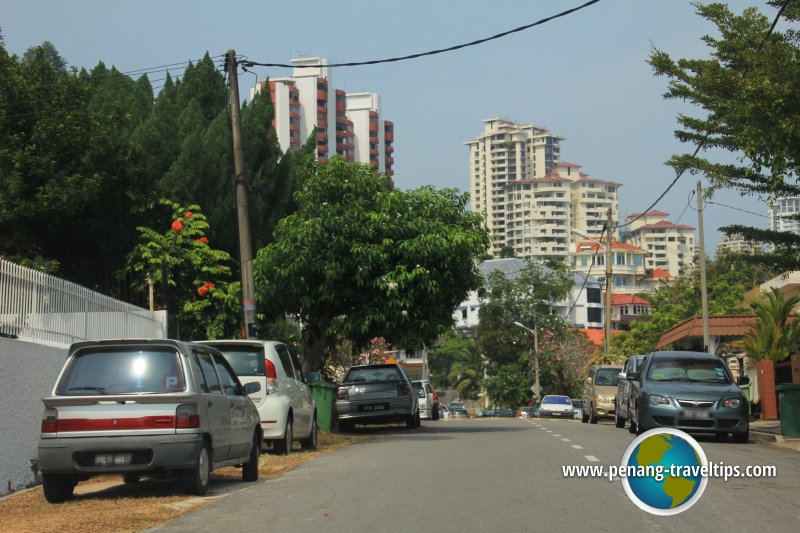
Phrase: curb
(791, 443)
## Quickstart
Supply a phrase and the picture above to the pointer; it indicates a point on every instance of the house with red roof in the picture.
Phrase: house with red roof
(627, 264)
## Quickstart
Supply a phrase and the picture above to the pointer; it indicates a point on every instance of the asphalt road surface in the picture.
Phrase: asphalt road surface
(496, 475)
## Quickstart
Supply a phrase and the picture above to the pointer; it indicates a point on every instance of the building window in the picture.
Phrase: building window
(594, 314)
(463, 314)
(593, 296)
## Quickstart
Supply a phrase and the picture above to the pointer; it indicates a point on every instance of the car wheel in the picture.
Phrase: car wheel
(413, 421)
(618, 420)
(195, 480)
(250, 468)
(435, 414)
(284, 446)
(131, 477)
(584, 416)
(742, 437)
(58, 488)
(592, 416)
(310, 442)
(632, 424)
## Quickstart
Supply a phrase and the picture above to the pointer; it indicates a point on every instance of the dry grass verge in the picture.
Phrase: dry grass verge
(104, 504)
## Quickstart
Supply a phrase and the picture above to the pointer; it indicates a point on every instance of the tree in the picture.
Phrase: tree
(564, 358)
(526, 298)
(748, 93)
(190, 275)
(509, 386)
(448, 350)
(362, 259)
(776, 334)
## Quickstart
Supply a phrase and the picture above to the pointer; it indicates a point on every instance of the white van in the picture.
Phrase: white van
(285, 404)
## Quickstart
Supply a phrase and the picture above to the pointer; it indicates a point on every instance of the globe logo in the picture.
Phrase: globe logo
(666, 471)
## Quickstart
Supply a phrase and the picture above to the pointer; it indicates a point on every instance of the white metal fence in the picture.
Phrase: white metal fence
(38, 307)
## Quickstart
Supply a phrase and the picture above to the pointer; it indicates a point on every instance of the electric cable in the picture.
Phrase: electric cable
(430, 52)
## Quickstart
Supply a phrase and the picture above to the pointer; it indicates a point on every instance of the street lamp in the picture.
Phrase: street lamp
(607, 311)
(536, 386)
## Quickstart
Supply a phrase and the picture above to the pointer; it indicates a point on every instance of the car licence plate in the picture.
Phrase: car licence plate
(373, 407)
(116, 459)
(696, 415)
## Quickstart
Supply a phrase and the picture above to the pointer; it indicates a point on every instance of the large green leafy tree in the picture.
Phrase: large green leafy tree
(748, 95)
(453, 350)
(362, 259)
(526, 299)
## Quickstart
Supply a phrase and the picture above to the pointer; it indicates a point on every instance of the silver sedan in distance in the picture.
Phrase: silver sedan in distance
(376, 394)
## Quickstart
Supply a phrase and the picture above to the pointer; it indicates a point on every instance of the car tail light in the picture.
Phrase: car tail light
(50, 421)
(403, 389)
(272, 377)
(186, 416)
(341, 394)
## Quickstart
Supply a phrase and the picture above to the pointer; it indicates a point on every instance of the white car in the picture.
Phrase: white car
(428, 404)
(285, 404)
(556, 406)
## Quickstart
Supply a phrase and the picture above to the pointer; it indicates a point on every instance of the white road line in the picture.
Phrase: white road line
(556, 435)
(577, 446)
(549, 430)
(566, 440)
(592, 458)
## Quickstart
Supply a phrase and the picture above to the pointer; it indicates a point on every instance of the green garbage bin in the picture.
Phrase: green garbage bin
(323, 393)
(789, 404)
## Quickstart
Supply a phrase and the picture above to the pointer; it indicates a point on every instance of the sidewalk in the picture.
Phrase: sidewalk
(769, 432)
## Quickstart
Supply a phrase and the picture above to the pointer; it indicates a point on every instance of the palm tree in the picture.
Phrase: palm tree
(776, 333)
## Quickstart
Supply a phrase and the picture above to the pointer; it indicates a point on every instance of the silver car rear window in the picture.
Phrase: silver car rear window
(133, 370)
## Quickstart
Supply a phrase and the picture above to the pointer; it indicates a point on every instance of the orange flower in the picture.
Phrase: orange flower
(188, 214)
(203, 240)
(202, 291)
(177, 226)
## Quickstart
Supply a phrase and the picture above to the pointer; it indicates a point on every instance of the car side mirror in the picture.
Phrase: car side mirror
(252, 387)
(743, 380)
(589, 381)
(314, 377)
(633, 376)
(622, 375)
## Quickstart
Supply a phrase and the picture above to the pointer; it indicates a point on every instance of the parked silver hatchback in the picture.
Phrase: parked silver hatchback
(140, 407)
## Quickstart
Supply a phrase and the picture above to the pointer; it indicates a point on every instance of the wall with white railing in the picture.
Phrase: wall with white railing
(42, 308)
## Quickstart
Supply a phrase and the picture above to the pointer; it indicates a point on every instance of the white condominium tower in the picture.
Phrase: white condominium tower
(529, 199)
(349, 125)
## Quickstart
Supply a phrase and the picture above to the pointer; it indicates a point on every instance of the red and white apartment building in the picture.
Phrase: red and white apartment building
(347, 124)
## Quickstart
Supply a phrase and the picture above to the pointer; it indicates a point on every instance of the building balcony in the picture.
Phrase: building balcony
(374, 153)
(373, 139)
(373, 164)
(294, 114)
(322, 109)
(341, 107)
(388, 136)
(322, 96)
(322, 137)
(322, 122)
(389, 160)
(389, 149)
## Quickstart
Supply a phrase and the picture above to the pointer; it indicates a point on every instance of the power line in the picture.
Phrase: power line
(430, 52)
(738, 209)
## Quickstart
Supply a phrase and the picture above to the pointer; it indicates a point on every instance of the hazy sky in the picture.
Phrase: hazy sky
(583, 76)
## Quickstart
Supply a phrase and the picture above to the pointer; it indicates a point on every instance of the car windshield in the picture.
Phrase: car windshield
(699, 370)
(355, 375)
(558, 400)
(607, 377)
(245, 360)
(576, 403)
(122, 371)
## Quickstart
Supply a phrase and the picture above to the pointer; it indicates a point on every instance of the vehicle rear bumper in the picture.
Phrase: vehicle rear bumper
(398, 410)
(71, 455)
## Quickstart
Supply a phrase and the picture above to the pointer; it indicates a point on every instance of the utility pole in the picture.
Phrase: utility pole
(703, 285)
(609, 256)
(245, 249)
(536, 385)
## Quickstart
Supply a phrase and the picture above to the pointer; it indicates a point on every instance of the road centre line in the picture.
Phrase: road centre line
(577, 446)
(567, 440)
(592, 458)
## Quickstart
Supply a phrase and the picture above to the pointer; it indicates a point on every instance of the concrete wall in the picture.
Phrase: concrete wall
(28, 372)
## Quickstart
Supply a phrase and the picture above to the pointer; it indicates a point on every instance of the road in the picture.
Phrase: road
(496, 475)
